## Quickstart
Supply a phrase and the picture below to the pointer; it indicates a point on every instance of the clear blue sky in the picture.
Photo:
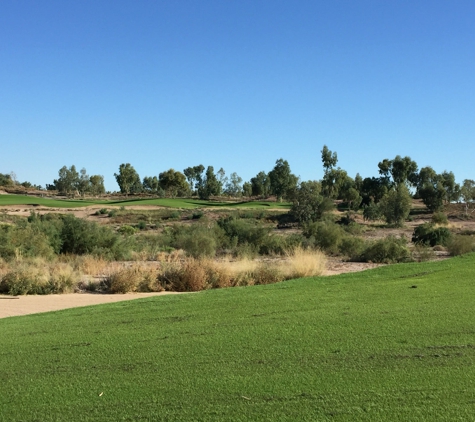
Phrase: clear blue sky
(235, 84)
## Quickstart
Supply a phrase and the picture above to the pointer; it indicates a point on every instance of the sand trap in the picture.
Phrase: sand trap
(24, 305)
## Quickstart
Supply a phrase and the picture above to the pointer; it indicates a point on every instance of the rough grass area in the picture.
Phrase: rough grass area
(163, 202)
(396, 343)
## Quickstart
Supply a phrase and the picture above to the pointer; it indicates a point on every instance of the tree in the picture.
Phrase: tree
(329, 159)
(68, 180)
(260, 184)
(396, 205)
(281, 179)
(151, 184)
(431, 189)
(194, 176)
(6, 180)
(128, 179)
(467, 192)
(210, 185)
(308, 204)
(452, 189)
(234, 186)
(247, 189)
(373, 189)
(97, 185)
(173, 183)
(402, 170)
(84, 183)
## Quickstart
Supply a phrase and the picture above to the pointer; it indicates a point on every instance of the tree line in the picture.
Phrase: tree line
(387, 195)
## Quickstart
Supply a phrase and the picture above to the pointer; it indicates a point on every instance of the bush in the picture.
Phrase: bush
(422, 253)
(326, 235)
(303, 263)
(126, 230)
(133, 279)
(197, 241)
(440, 218)
(389, 250)
(142, 225)
(352, 247)
(460, 245)
(427, 234)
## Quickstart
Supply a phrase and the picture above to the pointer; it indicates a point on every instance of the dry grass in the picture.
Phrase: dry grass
(304, 263)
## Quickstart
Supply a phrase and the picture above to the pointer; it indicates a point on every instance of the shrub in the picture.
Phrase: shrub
(197, 241)
(126, 230)
(460, 245)
(352, 247)
(422, 253)
(112, 213)
(197, 215)
(133, 279)
(440, 218)
(389, 250)
(372, 212)
(327, 235)
(429, 235)
(190, 276)
(142, 225)
(267, 274)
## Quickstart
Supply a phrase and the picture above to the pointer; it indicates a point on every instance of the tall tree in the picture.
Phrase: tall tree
(329, 159)
(234, 186)
(308, 204)
(194, 176)
(467, 192)
(128, 179)
(282, 181)
(210, 185)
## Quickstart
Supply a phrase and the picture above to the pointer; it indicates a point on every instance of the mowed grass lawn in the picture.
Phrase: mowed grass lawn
(366, 346)
(163, 202)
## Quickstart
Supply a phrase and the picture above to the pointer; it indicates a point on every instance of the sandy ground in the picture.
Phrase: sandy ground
(24, 305)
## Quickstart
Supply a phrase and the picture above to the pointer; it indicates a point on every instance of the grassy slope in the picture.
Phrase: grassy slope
(361, 346)
(164, 202)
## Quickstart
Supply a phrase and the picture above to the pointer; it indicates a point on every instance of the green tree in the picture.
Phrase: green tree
(151, 184)
(396, 205)
(247, 189)
(260, 184)
(68, 181)
(282, 181)
(128, 179)
(6, 180)
(210, 185)
(194, 176)
(173, 183)
(329, 159)
(467, 192)
(97, 185)
(431, 189)
(308, 204)
(234, 185)
(402, 170)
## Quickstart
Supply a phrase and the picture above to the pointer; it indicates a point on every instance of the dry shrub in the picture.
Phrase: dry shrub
(38, 277)
(133, 279)
(91, 265)
(241, 272)
(460, 245)
(303, 263)
(217, 276)
(176, 255)
(189, 276)
(268, 274)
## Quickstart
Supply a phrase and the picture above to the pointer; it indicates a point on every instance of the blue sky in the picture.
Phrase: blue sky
(235, 84)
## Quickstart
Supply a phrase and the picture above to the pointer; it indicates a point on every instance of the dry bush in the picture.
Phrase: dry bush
(137, 278)
(36, 276)
(303, 263)
(217, 276)
(241, 272)
(189, 276)
(91, 265)
(460, 245)
(268, 274)
(176, 255)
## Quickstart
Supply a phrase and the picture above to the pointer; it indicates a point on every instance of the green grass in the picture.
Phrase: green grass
(355, 347)
(163, 202)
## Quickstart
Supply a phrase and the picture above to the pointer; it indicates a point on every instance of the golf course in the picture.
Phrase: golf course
(394, 343)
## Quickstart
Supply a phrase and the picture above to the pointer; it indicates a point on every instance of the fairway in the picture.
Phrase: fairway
(6, 200)
(395, 343)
